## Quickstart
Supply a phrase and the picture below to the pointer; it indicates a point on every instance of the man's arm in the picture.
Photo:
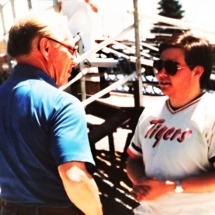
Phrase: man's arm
(200, 183)
(80, 187)
(135, 169)
(150, 188)
(93, 5)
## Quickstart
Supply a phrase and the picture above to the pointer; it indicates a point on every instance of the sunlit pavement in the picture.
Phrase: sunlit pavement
(111, 177)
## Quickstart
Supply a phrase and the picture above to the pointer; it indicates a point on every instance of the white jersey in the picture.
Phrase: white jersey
(175, 145)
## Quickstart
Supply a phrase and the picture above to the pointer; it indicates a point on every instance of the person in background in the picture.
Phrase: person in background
(172, 154)
(45, 157)
(79, 15)
(80, 21)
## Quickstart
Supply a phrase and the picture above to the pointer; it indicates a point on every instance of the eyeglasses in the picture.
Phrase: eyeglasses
(170, 66)
(72, 50)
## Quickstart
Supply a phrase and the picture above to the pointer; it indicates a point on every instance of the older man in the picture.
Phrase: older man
(46, 162)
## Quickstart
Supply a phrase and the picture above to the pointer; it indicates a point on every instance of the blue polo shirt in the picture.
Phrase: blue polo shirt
(41, 127)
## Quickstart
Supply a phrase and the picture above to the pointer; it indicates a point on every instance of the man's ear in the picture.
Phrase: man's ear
(44, 47)
(198, 71)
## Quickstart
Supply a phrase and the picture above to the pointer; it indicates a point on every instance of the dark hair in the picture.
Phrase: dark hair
(20, 39)
(197, 52)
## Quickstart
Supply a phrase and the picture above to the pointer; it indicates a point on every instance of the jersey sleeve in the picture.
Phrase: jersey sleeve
(212, 148)
(208, 124)
(135, 149)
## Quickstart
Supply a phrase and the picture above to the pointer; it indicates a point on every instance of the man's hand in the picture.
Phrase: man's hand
(149, 189)
(145, 188)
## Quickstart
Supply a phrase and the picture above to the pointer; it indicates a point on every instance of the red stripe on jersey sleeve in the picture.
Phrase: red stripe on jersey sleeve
(131, 154)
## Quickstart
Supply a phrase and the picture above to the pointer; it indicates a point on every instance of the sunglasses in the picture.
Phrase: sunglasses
(171, 67)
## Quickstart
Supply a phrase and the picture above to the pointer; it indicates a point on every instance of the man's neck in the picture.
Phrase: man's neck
(184, 99)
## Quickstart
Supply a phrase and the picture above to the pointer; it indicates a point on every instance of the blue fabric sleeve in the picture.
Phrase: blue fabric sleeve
(68, 135)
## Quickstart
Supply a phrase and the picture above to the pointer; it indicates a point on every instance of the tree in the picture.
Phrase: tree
(171, 9)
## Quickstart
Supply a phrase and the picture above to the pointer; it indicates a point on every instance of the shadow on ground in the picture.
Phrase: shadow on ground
(113, 183)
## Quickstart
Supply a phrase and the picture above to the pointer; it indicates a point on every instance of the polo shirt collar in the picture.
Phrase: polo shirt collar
(30, 72)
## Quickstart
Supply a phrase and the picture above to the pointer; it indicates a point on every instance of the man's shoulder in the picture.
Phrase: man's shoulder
(44, 93)
(206, 105)
(156, 103)
(209, 98)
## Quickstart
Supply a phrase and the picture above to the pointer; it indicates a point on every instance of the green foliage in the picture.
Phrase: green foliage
(171, 9)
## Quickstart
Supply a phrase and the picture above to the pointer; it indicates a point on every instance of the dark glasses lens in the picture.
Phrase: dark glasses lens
(170, 66)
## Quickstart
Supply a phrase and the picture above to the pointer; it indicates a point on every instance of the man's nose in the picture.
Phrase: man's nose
(162, 72)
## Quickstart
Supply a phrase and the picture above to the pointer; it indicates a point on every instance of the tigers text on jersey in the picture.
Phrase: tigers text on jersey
(175, 145)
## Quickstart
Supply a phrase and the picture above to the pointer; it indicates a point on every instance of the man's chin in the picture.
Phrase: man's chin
(165, 90)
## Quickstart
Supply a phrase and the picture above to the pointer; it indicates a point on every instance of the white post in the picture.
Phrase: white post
(138, 94)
